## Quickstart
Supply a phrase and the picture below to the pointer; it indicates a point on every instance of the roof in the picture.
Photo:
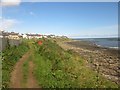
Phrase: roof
(33, 35)
(8, 33)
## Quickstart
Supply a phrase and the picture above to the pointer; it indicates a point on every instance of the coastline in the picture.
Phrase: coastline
(102, 42)
(93, 47)
(101, 59)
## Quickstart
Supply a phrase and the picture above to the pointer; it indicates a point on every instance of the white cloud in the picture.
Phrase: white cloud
(6, 24)
(31, 13)
(10, 2)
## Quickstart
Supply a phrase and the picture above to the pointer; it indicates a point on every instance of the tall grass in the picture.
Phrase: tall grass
(57, 68)
(9, 57)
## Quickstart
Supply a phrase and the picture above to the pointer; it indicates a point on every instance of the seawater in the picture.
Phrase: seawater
(103, 42)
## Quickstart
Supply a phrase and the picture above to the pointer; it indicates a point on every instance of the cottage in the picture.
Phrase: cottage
(30, 36)
(51, 36)
(10, 35)
(13, 35)
(3, 34)
(44, 36)
(24, 36)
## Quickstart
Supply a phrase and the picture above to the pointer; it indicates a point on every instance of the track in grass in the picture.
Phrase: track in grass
(16, 80)
(31, 82)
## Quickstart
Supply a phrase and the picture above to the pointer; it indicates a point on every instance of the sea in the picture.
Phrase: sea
(103, 42)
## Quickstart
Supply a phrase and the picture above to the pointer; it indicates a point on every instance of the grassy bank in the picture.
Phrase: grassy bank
(10, 56)
(57, 68)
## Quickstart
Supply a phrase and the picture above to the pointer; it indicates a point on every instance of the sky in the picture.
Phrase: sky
(72, 19)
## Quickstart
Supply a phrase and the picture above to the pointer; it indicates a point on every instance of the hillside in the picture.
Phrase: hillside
(56, 67)
(53, 67)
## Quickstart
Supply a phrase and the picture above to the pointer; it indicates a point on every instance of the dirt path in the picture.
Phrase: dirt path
(31, 82)
(17, 74)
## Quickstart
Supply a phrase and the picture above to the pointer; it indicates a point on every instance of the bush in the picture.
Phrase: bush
(57, 68)
(10, 56)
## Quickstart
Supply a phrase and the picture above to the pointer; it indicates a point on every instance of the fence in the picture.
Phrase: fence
(5, 41)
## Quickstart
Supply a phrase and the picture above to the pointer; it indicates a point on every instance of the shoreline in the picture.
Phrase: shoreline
(94, 42)
(92, 46)
(102, 60)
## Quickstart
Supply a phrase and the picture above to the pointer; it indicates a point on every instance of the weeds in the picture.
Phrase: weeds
(25, 69)
(57, 68)
(9, 57)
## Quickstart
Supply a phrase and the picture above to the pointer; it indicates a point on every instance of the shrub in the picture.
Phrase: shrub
(57, 68)
(9, 57)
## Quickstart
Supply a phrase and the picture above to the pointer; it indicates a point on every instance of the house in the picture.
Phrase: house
(64, 37)
(3, 34)
(20, 36)
(31, 36)
(45, 36)
(38, 36)
(13, 35)
(24, 36)
(10, 35)
(51, 36)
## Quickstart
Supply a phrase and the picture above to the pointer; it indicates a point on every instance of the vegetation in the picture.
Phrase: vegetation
(57, 68)
(25, 70)
(25, 73)
(9, 57)
(54, 67)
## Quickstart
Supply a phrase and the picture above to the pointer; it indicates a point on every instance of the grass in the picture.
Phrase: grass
(57, 68)
(25, 69)
(9, 58)
(54, 67)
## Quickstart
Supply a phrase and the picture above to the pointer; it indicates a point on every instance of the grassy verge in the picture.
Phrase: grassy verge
(56, 68)
(9, 58)
(25, 69)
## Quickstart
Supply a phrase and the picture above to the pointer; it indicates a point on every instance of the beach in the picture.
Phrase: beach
(104, 61)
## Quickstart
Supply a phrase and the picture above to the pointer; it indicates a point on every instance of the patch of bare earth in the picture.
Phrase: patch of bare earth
(17, 74)
(31, 83)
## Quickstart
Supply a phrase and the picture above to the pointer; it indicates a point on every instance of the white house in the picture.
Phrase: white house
(9, 35)
(44, 36)
(30, 36)
(24, 36)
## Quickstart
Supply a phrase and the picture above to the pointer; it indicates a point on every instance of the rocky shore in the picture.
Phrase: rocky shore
(104, 61)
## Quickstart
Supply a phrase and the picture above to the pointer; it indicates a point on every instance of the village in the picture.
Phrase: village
(17, 36)
(14, 38)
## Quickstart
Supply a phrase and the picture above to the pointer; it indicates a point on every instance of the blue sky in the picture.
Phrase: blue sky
(70, 19)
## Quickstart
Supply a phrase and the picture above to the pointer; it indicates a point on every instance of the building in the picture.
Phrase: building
(31, 36)
(9, 38)
(13, 35)
(24, 36)
(45, 36)
(51, 36)
(10, 35)
(3, 34)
